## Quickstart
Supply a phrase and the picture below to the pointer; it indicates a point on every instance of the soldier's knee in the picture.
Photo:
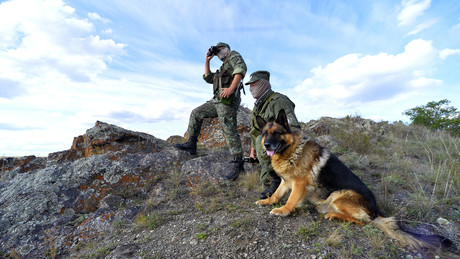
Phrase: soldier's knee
(197, 115)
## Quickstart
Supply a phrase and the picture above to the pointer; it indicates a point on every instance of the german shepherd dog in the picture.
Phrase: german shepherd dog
(310, 172)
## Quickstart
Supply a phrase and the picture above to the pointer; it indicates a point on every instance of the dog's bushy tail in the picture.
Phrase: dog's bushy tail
(392, 227)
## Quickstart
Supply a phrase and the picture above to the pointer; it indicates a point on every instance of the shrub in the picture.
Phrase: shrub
(436, 116)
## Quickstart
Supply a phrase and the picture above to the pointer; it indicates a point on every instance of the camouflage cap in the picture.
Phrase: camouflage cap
(222, 44)
(256, 76)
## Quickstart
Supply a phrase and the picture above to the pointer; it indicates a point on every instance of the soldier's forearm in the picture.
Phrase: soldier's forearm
(236, 81)
(207, 70)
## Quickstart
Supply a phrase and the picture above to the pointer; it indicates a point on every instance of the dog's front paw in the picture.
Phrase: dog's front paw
(282, 212)
(263, 202)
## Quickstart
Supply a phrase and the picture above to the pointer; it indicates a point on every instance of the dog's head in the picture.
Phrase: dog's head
(276, 135)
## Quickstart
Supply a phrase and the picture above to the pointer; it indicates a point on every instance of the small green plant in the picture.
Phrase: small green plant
(352, 251)
(209, 206)
(150, 221)
(119, 224)
(158, 177)
(205, 189)
(231, 207)
(276, 205)
(309, 231)
(201, 236)
(202, 226)
(100, 253)
(243, 223)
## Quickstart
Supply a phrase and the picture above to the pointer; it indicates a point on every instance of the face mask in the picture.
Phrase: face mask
(223, 53)
(259, 88)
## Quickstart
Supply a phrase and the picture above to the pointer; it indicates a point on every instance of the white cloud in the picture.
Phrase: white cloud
(354, 76)
(107, 31)
(360, 81)
(53, 112)
(448, 52)
(97, 17)
(423, 26)
(47, 36)
(411, 9)
(46, 51)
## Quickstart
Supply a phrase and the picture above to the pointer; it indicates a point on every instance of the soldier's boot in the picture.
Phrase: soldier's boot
(270, 190)
(189, 146)
(236, 168)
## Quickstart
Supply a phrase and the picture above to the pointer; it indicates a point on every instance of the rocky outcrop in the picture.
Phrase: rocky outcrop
(73, 195)
(21, 165)
(325, 125)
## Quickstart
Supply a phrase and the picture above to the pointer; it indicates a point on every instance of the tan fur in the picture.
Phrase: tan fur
(391, 228)
(298, 166)
(345, 205)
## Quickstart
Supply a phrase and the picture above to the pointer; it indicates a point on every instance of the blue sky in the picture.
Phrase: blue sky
(139, 63)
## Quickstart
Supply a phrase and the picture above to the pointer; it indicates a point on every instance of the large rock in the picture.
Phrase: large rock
(71, 193)
(20, 165)
(324, 125)
(211, 167)
(103, 138)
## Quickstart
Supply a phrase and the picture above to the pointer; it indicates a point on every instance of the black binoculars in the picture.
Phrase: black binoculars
(213, 50)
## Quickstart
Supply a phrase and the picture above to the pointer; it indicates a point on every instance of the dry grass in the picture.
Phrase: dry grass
(414, 173)
(411, 162)
(249, 181)
(334, 239)
(428, 163)
(150, 221)
(51, 242)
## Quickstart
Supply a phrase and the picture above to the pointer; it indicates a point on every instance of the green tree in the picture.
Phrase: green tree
(436, 116)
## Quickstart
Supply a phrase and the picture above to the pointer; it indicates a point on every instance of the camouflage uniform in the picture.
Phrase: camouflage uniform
(226, 109)
(268, 107)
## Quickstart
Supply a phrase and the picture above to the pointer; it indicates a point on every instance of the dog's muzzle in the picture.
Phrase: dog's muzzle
(271, 149)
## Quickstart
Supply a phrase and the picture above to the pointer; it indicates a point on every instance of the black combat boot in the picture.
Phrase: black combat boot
(236, 168)
(270, 190)
(189, 146)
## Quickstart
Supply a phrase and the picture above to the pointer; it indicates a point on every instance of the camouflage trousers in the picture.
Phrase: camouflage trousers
(227, 118)
(265, 162)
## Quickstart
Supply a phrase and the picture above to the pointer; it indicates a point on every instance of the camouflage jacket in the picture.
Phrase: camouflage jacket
(223, 77)
(268, 107)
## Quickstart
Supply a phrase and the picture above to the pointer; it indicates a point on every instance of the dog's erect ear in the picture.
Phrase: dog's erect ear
(261, 122)
(282, 119)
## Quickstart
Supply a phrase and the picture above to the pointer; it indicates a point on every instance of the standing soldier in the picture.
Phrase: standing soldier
(227, 83)
(268, 104)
